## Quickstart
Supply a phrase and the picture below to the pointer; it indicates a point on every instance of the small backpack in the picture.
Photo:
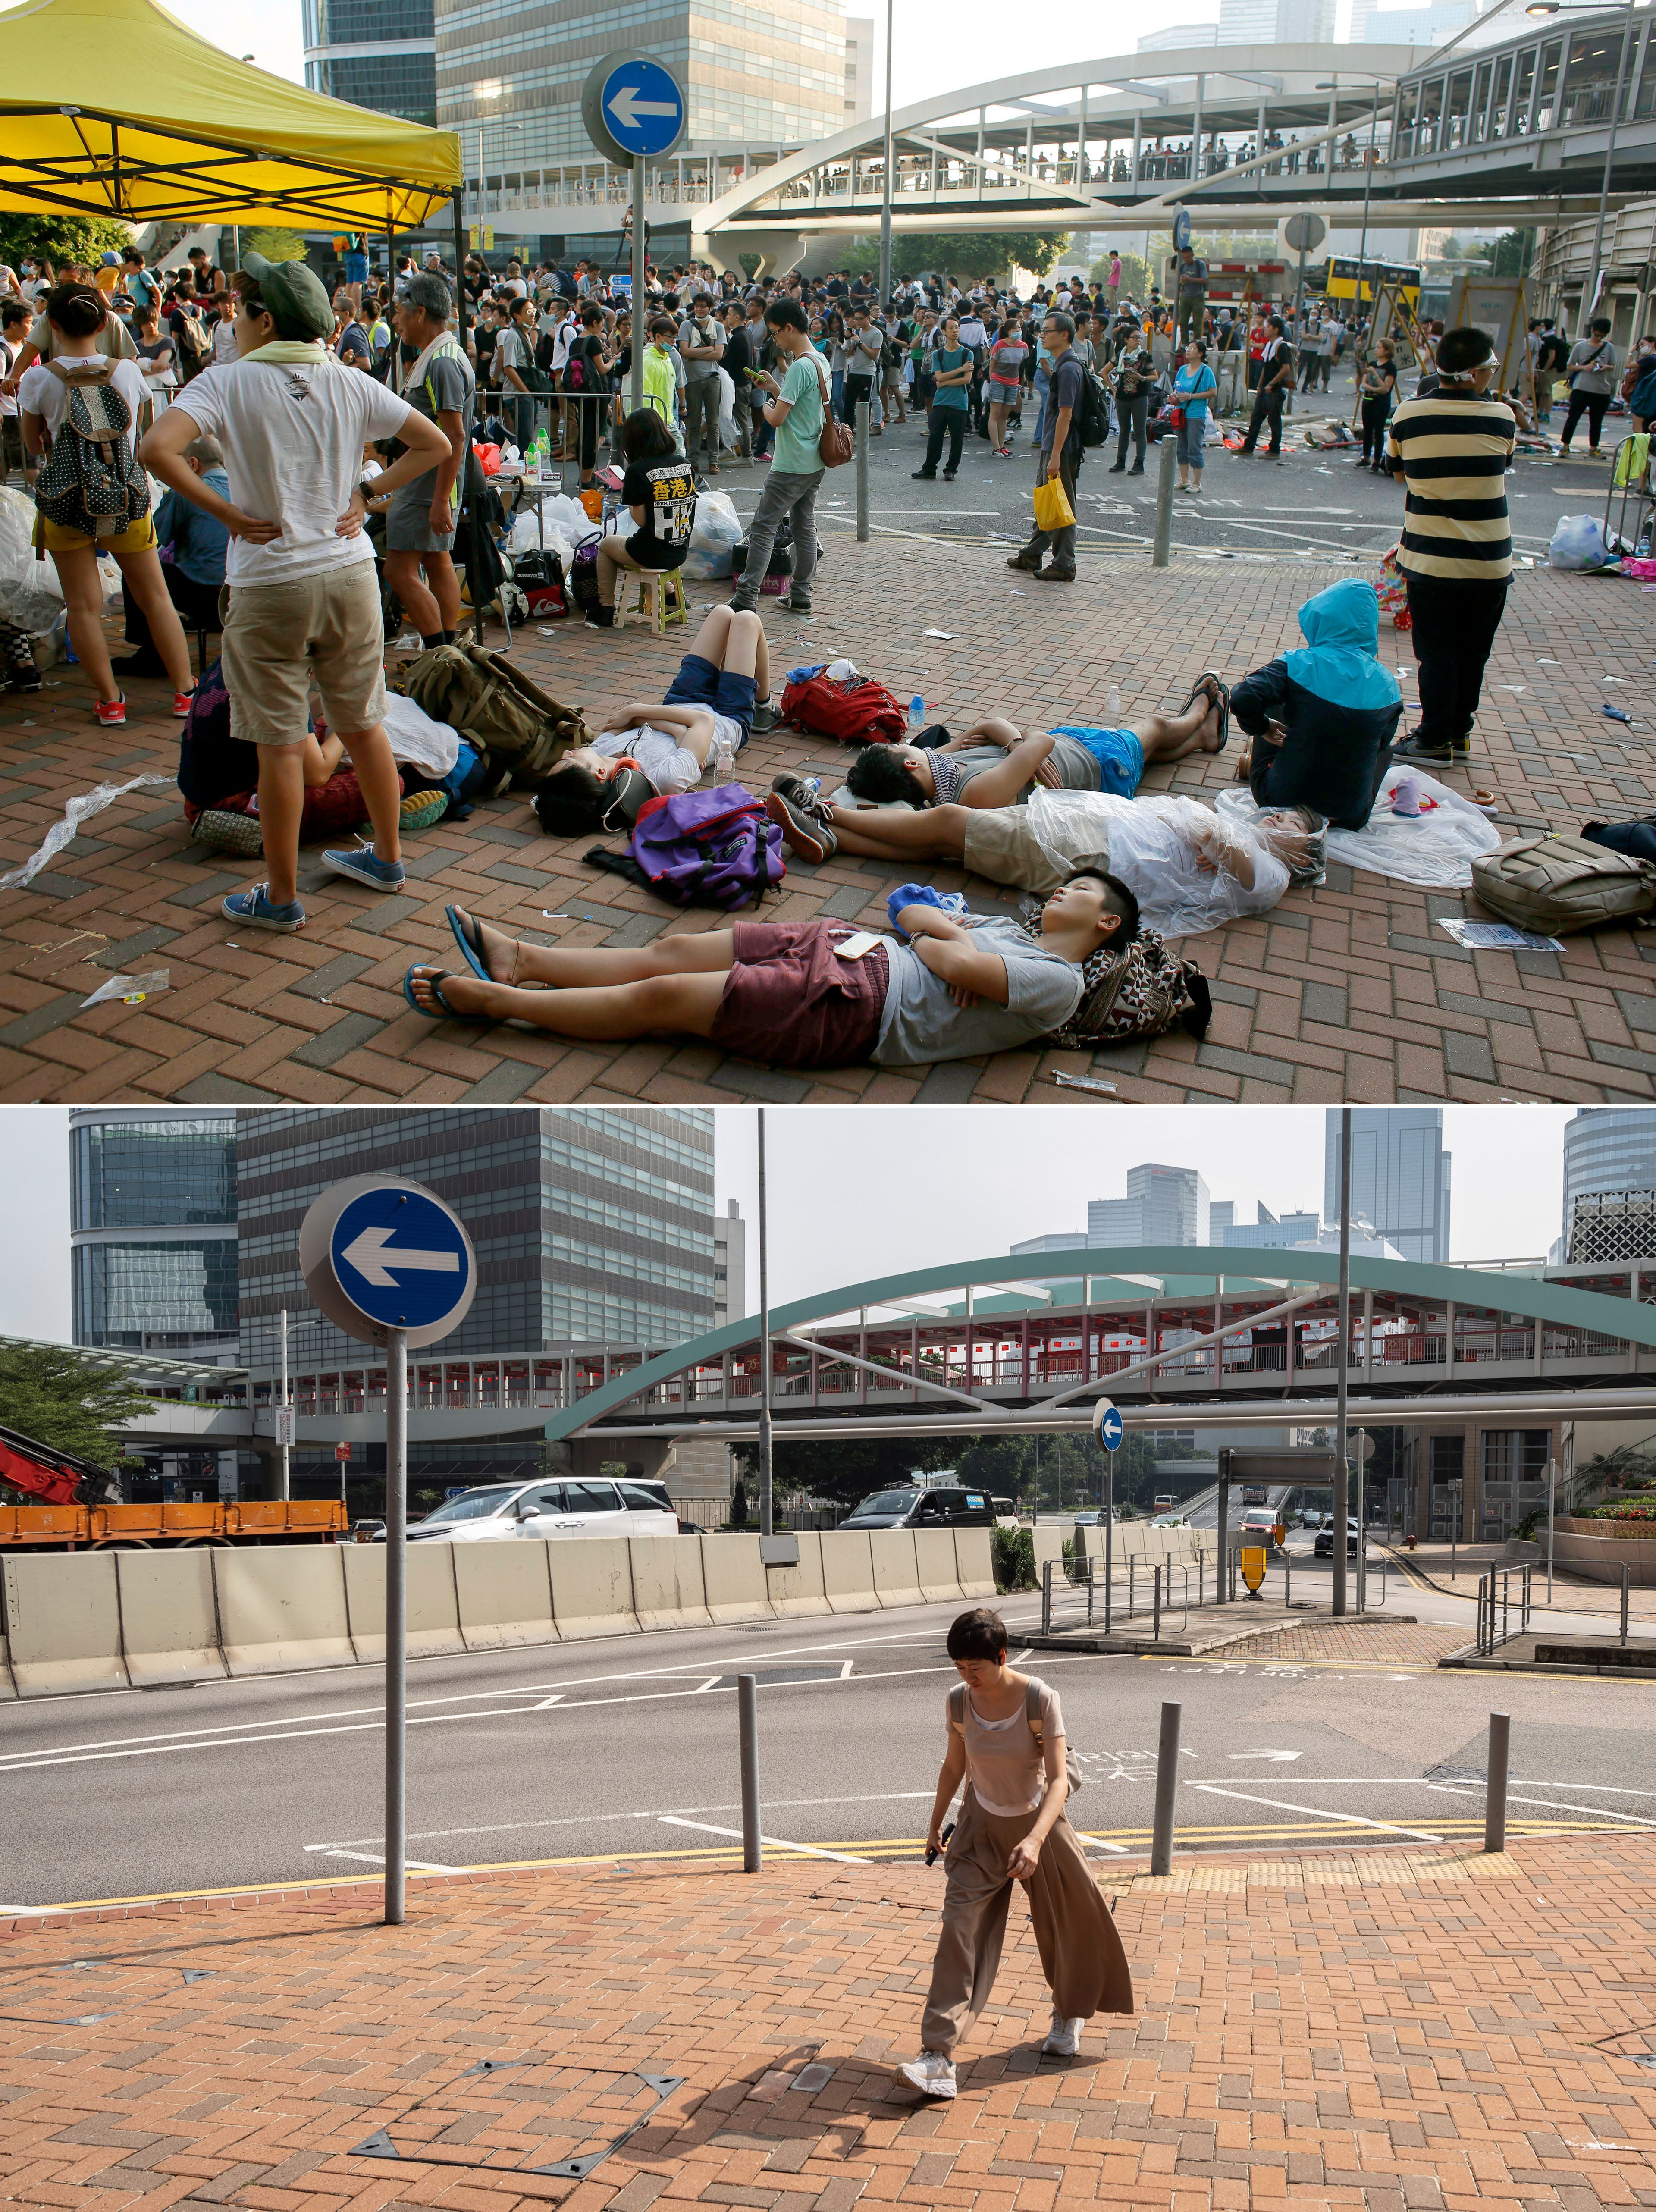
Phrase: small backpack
(93, 481)
(487, 698)
(1032, 1698)
(1094, 416)
(1555, 885)
(1140, 992)
(856, 710)
(703, 849)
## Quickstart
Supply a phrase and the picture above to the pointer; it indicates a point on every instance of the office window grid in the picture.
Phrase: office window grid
(395, 84)
(163, 1174)
(364, 22)
(133, 1294)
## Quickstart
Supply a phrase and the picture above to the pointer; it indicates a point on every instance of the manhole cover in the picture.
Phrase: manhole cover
(83, 1992)
(547, 2115)
(781, 1674)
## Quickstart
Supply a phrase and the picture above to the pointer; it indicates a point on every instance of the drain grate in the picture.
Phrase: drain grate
(38, 2000)
(1455, 1774)
(557, 2117)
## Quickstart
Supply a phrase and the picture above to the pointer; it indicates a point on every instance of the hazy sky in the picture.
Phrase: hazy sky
(863, 1191)
(976, 48)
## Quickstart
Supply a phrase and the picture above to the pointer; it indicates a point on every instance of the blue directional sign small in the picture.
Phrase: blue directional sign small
(380, 1253)
(643, 107)
(1107, 1423)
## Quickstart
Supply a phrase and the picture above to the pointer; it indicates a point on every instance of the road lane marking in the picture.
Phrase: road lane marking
(1597, 1812)
(1316, 1812)
(414, 1866)
(581, 1820)
(776, 1843)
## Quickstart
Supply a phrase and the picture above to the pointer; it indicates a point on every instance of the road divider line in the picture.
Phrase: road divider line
(776, 1843)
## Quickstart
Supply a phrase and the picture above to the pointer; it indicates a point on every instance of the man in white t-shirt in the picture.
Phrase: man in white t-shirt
(304, 595)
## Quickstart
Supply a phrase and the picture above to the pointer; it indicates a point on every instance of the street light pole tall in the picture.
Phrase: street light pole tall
(885, 181)
(1368, 187)
(767, 1493)
(1591, 289)
(1342, 1493)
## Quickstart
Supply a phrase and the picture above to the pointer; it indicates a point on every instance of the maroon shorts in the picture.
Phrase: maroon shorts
(791, 1000)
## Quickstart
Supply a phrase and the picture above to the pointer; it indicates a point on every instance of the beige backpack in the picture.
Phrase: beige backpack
(1556, 885)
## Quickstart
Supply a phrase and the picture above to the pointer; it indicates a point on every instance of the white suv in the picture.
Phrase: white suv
(499, 1511)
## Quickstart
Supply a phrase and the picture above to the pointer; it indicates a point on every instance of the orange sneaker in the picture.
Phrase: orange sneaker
(112, 710)
(183, 701)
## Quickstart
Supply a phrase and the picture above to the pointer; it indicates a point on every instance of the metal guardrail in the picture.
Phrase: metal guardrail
(1076, 1593)
(1496, 1606)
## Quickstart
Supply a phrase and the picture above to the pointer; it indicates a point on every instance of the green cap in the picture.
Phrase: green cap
(295, 296)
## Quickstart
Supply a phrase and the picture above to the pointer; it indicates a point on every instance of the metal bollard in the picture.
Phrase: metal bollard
(746, 1709)
(1624, 1604)
(862, 471)
(1169, 450)
(1046, 1597)
(1167, 1788)
(1494, 1789)
(1158, 1605)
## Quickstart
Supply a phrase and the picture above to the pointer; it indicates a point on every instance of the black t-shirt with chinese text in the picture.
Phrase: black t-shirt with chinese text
(666, 492)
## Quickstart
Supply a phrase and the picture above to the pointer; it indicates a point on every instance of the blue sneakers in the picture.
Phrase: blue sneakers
(255, 909)
(364, 866)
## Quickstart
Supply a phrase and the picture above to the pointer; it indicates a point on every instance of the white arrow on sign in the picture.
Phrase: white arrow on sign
(368, 1256)
(627, 107)
(1265, 1755)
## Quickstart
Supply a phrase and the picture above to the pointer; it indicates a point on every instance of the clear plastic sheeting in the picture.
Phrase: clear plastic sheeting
(77, 812)
(1175, 855)
(1434, 849)
(30, 594)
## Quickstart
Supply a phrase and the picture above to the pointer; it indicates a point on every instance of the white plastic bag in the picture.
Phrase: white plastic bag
(30, 594)
(432, 747)
(727, 437)
(76, 812)
(717, 533)
(1578, 542)
(1434, 850)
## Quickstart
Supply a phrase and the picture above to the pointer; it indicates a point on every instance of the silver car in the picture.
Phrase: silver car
(498, 1512)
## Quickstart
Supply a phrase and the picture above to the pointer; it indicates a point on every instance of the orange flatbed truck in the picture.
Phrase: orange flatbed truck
(70, 1511)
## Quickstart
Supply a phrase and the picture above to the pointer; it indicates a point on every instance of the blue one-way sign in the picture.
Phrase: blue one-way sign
(633, 107)
(378, 1253)
(1106, 1425)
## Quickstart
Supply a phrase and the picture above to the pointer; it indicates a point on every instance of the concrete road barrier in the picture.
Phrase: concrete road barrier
(733, 1578)
(169, 1618)
(434, 1613)
(848, 1570)
(934, 1564)
(1049, 1540)
(8, 1687)
(974, 1565)
(797, 1592)
(282, 1607)
(62, 1623)
(504, 1592)
(591, 1586)
(668, 1589)
(896, 1576)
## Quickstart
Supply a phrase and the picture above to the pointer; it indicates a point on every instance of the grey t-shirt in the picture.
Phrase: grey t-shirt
(448, 386)
(1075, 765)
(690, 333)
(922, 1022)
(1593, 361)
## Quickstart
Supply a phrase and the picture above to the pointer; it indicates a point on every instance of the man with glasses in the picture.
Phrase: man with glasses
(1060, 451)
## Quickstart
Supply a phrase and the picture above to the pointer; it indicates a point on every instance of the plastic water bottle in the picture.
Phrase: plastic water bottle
(916, 714)
(1112, 708)
(724, 757)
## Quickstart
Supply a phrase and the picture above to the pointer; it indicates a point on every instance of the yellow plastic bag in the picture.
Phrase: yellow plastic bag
(1052, 508)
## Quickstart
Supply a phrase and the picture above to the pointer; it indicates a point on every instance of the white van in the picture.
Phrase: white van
(499, 1511)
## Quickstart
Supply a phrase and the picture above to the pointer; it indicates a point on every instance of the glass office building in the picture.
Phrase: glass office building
(153, 1230)
(509, 80)
(376, 53)
(590, 1228)
(1610, 1185)
(1400, 1176)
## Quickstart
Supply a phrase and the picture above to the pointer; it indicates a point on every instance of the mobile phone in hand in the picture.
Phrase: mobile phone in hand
(942, 1844)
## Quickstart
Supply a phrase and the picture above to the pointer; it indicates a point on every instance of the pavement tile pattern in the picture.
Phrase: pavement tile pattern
(1350, 992)
(1371, 1638)
(1406, 2033)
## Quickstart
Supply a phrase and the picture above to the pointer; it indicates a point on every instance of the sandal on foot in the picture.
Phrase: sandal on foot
(469, 936)
(444, 1012)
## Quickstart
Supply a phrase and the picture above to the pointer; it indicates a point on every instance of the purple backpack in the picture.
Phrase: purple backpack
(708, 847)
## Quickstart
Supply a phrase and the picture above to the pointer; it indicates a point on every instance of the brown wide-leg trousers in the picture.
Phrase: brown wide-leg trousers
(1080, 1953)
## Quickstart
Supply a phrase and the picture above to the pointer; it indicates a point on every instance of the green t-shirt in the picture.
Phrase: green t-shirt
(795, 452)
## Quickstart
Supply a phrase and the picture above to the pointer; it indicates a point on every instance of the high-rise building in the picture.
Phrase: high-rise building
(153, 1230)
(729, 1266)
(509, 81)
(1427, 25)
(376, 53)
(590, 1228)
(859, 69)
(1276, 1233)
(1063, 1240)
(1164, 1206)
(1276, 22)
(1179, 35)
(1610, 1175)
(1400, 1176)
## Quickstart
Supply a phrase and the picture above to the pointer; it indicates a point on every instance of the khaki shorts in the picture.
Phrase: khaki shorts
(1001, 847)
(278, 636)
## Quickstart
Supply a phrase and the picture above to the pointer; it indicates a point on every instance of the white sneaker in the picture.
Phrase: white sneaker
(1064, 2038)
(931, 2074)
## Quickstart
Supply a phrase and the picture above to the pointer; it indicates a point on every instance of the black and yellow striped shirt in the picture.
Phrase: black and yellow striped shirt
(1454, 453)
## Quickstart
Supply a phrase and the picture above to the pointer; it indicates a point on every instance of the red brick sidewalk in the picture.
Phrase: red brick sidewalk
(1349, 992)
(1400, 2030)
(1373, 1640)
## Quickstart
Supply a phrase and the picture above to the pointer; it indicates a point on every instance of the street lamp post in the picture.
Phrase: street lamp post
(885, 182)
(1591, 289)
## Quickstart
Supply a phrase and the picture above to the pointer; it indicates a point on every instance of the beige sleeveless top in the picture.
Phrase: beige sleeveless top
(1008, 1770)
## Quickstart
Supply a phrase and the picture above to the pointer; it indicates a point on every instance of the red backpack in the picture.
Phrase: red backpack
(857, 711)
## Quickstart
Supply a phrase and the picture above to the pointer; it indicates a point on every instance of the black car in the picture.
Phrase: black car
(942, 1508)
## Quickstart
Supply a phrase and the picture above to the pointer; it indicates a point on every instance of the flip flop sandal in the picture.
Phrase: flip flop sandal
(1223, 701)
(1208, 676)
(469, 939)
(448, 1013)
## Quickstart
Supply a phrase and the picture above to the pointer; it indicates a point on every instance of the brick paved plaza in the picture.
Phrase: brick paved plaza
(1395, 2031)
(1349, 992)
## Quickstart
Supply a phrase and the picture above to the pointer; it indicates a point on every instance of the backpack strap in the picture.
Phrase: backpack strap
(1034, 1693)
(957, 1706)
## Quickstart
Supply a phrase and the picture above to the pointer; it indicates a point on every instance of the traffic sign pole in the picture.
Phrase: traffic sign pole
(397, 1617)
(640, 334)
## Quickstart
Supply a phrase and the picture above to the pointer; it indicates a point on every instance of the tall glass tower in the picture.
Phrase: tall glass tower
(1400, 1176)
(153, 1230)
(376, 53)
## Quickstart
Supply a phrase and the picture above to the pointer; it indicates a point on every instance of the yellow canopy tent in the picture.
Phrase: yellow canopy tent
(112, 108)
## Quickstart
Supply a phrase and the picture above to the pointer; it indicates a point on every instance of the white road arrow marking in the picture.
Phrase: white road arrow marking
(627, 107)
(1265, 1755)
(368, 1256)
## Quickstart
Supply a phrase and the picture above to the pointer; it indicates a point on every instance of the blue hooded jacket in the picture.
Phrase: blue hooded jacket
(1339, 705)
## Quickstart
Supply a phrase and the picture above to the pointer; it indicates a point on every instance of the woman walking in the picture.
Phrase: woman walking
(1379, 384)
(1195, 385)
(1006, 1742)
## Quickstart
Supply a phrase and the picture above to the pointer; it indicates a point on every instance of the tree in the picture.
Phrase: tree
(845, 1469)
(48, 1392)
(1512, 253)
(82, 240)
(960, 253)
(274, 245)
